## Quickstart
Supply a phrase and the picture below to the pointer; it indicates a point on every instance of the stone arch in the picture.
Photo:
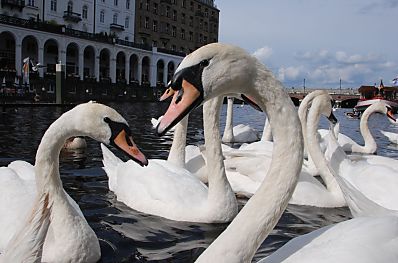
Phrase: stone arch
(50, 51)
(30, 48)
(72, 59)
(170, 70)
(89, 62)
(7, 49)
(104, 63)
(120, 66)
(133, 68)
(160, 71)
(146, 67)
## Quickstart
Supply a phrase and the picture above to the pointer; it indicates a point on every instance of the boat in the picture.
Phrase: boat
(372, 94)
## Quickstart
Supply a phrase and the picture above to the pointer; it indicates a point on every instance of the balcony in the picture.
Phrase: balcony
(166, 1)
(200, 13)
(19, 4)
(117, 27)
(72, 16)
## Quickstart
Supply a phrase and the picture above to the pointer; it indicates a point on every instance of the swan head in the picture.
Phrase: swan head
(383, 108)
(324, 104)
(105, 125)
(210, 71)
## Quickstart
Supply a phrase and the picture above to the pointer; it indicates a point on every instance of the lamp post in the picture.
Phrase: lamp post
(304, 86)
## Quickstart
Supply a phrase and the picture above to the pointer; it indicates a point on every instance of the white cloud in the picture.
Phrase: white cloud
(289, 73)
(263, 53)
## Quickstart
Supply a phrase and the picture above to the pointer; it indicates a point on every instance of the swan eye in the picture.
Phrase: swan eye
(204, 63)
(107, 120)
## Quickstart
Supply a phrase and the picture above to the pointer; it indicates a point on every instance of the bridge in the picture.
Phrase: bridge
(346, 98)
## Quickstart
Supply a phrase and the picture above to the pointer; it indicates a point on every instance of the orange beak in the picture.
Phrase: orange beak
(126, 144)
(182, 103)
(168, 93)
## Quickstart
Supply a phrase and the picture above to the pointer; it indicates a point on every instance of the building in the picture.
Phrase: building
(179, 25)
(96, 39)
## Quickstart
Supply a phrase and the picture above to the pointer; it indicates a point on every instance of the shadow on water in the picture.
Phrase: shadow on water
(129, 236)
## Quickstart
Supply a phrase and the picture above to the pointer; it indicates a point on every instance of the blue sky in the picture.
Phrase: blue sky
(319, 40)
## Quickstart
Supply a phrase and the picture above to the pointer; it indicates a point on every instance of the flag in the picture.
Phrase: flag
(25, 70)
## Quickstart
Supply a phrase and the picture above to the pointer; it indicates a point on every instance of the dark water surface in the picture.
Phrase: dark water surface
(129, 236)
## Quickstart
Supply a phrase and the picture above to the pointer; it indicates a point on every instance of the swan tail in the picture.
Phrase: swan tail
(27, 243)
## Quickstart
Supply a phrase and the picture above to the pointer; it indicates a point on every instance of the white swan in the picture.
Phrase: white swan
(166, 189)
(239, 133)
(392, 136)
(377, 182)
(217, 69)
(349, 145)
(248, 172)
(27, 243)
(69, 237)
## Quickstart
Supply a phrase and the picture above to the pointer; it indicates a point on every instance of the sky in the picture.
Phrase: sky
(321, 41)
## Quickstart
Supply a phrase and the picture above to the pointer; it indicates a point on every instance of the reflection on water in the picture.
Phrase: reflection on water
(126, 235)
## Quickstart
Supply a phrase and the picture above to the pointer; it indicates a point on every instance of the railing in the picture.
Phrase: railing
(171, 52)
(13, 3)
(72, 16)
(116, 26)
(133, 44)
(60, 29)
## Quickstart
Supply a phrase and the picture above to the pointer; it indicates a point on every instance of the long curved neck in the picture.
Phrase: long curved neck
(314, 150)
(220, 192)
(177, 151)
(267, 134)
(228, 135)
(241, 239)
(370, 144)
(47, 158)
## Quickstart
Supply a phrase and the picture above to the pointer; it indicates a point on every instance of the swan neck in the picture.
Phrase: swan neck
(228, 135)
(47, 157)
(220, 192)
(261, 213)
(267, 134)
(177, 151)
(370, 144)
(315, 152)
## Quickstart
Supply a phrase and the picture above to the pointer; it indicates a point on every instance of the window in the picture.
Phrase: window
(146, 25)
(127, 4)
(154, 43)
(168, 11)
(174, 15)
(192, 8)
(147, 5)
(115, 2)
(167, 28)
(115, 18)
(155, 8)
(70, 7)
(182, 33)
(206, 12)
(173, 31)
(85, 12)
(183, 18)
(102, 16)
(155, 26)
(141, 4)
(191, 21)
(200, 38)
(183, 3)
(53, 5)
(173, 47)
(127, 22)
(206, 27)
(31, 2)
(190, 36)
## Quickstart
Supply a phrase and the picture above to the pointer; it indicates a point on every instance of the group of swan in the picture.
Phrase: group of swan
(167, 189)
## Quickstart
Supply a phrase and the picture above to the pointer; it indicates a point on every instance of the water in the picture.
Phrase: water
(129, 236)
